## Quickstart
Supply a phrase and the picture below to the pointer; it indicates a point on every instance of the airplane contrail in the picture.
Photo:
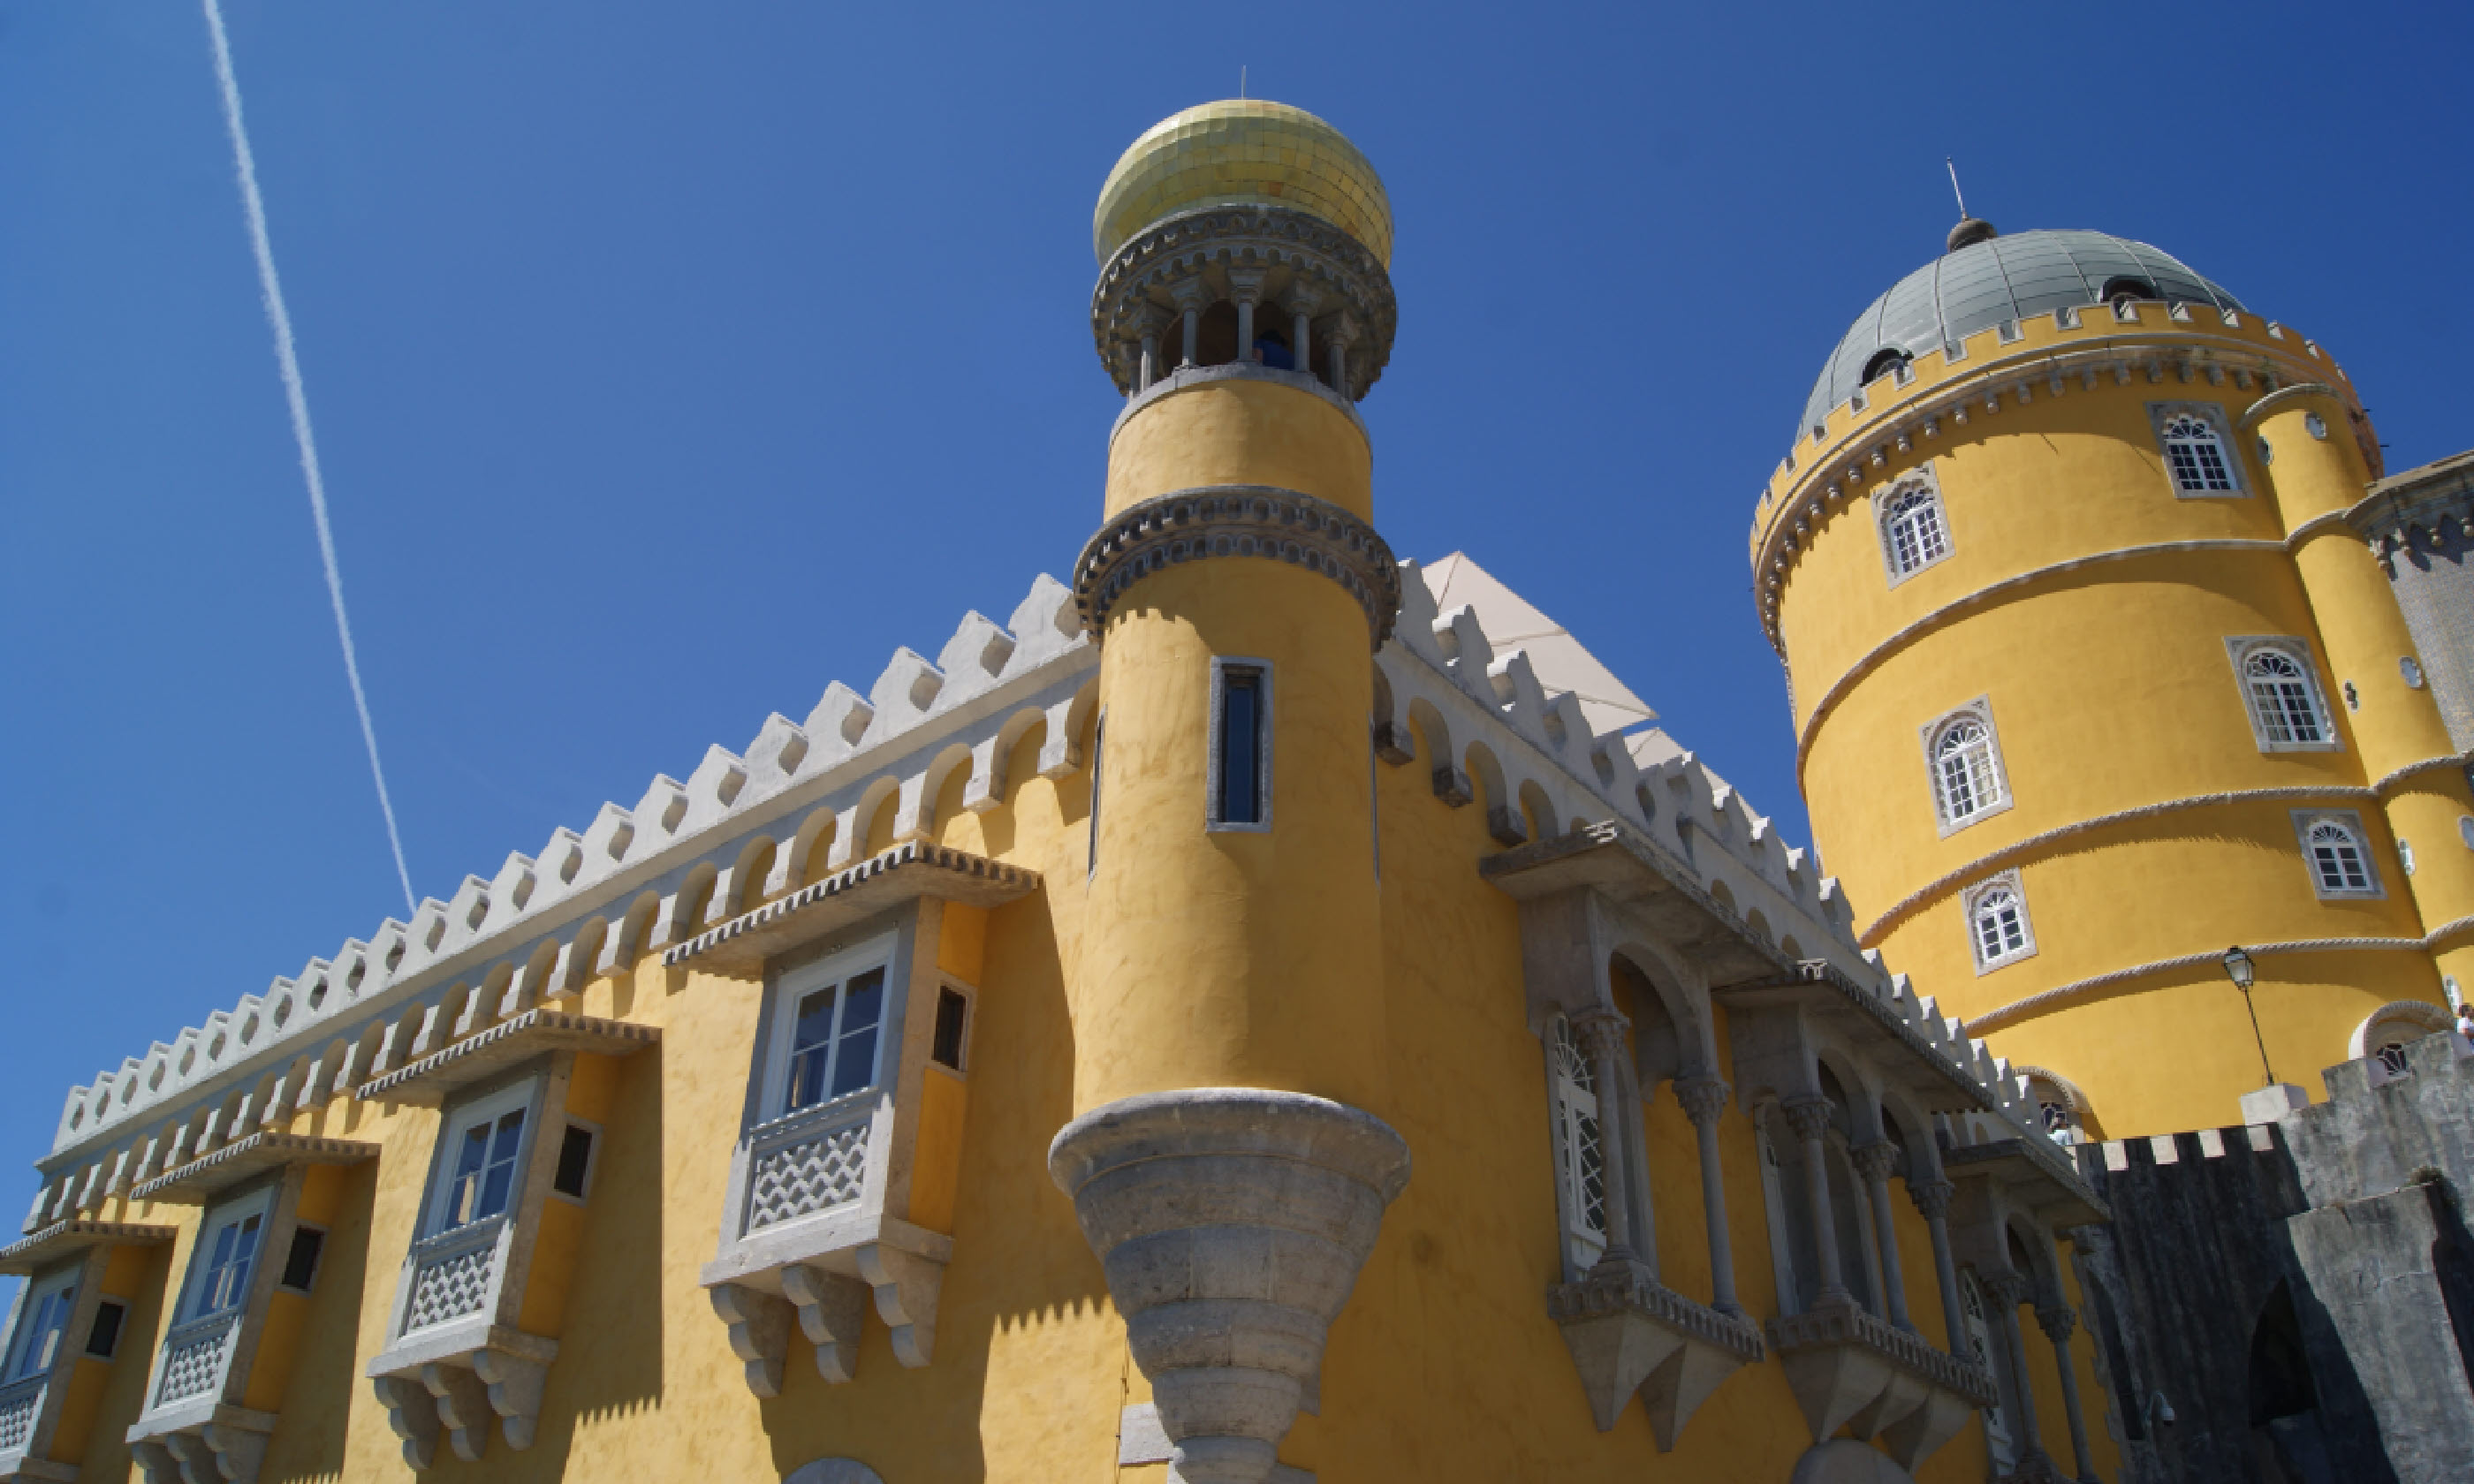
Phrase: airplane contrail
(279, 322)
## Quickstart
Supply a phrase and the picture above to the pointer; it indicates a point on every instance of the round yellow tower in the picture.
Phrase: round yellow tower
(1228, 1163)
(2091, 680)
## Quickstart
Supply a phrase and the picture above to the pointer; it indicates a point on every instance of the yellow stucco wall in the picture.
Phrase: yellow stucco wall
(2111, 691)
(1241, 433)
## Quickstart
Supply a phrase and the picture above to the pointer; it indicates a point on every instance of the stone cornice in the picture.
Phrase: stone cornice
(1840, 463)
(2282, 397)
(2059, 996)
(1186, 379)
(1212, 521)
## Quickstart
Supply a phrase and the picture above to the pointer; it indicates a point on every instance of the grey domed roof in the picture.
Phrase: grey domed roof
(1982, 284)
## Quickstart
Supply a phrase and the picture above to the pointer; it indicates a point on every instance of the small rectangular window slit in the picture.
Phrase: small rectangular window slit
(952, 1009)
(300, 1263)
(1239, 781)
(575, 1162)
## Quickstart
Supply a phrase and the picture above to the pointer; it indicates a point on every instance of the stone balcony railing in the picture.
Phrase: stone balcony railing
(1629, 1333)
(194, 1357)
(1850, 1369)
(19, 1401)
(807, 1234)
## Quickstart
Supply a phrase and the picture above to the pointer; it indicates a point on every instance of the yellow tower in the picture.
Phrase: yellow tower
(1229, 989)
(2091, 680)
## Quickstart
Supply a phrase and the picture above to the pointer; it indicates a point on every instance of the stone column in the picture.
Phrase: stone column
(1809, 1117)
(1246, 286)
(1231, 1222)
(1193, 296)
(1874, 1161)
(2007, 1291)
(1148, 323)
(1343, 334)
(1704, 1099)
(1932, 1198)
(1601, 1034)
(2057, 1321)
(1301, 304)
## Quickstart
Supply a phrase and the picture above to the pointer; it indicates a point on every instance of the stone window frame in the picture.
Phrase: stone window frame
(1984, 1344)
(30, 1295)
(1261, 669)
(2241, 648)
(317, 1264)
(592, 1160)
(2306, 820)
(1969, 903)
(1921, 479)
(835, 970)
(2213, 413)
(485, 1104)
(1567, 1070)
(255, 1199)
(1782, 1198)
(1928, 736)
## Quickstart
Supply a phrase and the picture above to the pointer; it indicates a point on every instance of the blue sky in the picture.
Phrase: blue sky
(670, 362)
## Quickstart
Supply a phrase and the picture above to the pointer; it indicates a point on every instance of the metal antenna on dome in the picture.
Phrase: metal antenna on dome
(1952, 164)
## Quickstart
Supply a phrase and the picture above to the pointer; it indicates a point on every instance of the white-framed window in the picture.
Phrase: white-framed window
(1964, 760)
(226, 1254)
(2338, 852)
(829, 1031)
(1580, 1150)
(1915, 532)
(1239, 791)
(480, 1155)
(2198, 458)
(1997, 929)
(45, 1317)
(2280, 688)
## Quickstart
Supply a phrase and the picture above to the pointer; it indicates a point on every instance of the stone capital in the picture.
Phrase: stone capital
(1704, 1098)
(1932, 1197)
(1246, 286)
(1877, 1162)
(1191, 293)
(2007, 1290)
(1301, 297)
(1809, 1117)
(1601, 1033)
(2057, 1321)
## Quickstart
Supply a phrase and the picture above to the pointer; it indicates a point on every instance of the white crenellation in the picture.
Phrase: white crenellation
(592, 903)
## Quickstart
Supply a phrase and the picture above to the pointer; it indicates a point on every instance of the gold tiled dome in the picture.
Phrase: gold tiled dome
(1242, 153)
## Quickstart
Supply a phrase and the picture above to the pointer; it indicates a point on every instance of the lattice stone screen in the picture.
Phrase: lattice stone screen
(453, 1277)
(193, 1358)
(812, 1160)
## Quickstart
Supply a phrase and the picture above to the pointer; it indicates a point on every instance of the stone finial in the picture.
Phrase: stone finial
(1231, 1222)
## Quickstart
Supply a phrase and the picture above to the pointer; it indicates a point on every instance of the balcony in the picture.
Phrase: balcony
(1628, 1333)
(1848, 1368)
(36, 1420)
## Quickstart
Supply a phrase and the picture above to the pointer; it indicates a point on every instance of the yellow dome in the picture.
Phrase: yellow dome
(1242, 153)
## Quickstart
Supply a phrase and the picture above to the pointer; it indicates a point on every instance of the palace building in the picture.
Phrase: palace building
(1271, 1010)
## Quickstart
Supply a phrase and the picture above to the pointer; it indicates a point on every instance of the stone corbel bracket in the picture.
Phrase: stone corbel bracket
(229, 1446)
(830, 1306)
(457, 1397)
(1628, 1333)
(1850, 1370)
(1231, 1222)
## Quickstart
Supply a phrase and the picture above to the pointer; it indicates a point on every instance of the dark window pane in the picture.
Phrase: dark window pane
(574, 1159)
(948, 1046)
(301, 1265)
(854, 1065)
(103, 1339)
(1240, 747)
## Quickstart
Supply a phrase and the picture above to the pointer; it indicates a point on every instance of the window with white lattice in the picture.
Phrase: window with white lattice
(2199, 456)
(2337, 850)
(1963, 760)
(1580, 1147)
(1915, 532)
(1997, 931)
(2280, 688)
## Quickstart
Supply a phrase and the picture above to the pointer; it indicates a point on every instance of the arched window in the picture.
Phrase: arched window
(1997, 922)
(1579, 1153)
(2339, 865)
(1966, 770)
(1911, 530)
(2196, 456)
(2284, 698)
(1886, 362)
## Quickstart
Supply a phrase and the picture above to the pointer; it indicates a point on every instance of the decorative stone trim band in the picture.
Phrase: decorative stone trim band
(1879, 654)
(243, 1157)
(2018, 850)
(952, 874)
(2055, 998)
(430, 1079)
(2278, 400)
(1238, 521)
(60, 1238)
